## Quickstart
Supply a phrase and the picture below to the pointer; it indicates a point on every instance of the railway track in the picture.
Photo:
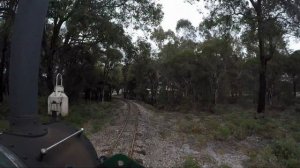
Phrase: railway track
(125, 140)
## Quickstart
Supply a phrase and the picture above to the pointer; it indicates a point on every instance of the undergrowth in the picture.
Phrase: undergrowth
(190, 162)
(280, 153)
(95, 114)
(239, 124)
(98, 114)
(280, 131)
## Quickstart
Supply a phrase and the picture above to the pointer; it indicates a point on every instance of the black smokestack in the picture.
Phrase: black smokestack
(24, 66)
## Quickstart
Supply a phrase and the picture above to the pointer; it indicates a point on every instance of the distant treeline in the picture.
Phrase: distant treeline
(211, 72)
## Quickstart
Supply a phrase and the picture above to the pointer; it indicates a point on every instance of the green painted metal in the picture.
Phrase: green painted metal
(120, 161)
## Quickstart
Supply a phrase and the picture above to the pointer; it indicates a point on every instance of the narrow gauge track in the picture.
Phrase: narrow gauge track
(130, 126)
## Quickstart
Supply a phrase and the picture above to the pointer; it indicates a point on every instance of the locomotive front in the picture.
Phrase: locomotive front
(28, 143)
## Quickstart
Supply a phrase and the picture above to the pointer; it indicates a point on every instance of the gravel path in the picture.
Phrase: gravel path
(159, 144)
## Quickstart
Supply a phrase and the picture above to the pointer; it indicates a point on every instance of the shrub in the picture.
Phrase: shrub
(212, 124)
(191, 162)
(250, 126)
(281, 153)
(185, 126)
(97, 113)
(287, 151)
(293, 163)
(263, 159)
(245, 128)
(188, 126)
(239, 133)
(222, 133)
(271, 130)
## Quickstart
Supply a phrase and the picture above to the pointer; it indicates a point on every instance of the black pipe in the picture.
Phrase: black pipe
(24, 67)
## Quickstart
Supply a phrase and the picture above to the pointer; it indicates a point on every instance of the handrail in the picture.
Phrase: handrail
(45, 150)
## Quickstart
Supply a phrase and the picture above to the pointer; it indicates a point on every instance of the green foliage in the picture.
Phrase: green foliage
(222, 133)
(142, 76)
(263, 159)
(281, 153)
(98, 114)
(281, 149)
(190, 162)
(193, 73)
(186, 28)
(81, 114)
(286, 149)
(260, 28)
(238, 124)
(86, 41)
(250, 126)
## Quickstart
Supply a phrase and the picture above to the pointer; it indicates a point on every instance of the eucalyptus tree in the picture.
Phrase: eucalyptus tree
(159, 36)
(162, 37)
(186, 30)
(100, 23)
(142, 74)
(216, 59)
(268, 20)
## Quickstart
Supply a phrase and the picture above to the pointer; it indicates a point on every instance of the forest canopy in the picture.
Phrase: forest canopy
(238, 54)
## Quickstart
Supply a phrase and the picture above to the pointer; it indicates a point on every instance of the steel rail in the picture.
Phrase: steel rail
(124, 126)
(122, 130)
(131, 150)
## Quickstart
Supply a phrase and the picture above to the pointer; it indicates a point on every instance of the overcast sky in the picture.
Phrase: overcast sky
(175, 10)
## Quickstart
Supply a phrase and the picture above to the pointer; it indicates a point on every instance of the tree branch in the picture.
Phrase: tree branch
(254, 4)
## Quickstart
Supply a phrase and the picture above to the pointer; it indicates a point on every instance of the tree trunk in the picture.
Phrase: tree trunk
(2, 67)
(263, 62)
(51, 52)
(262, 92)
(254, 92)
(102, 99)
(294, 87)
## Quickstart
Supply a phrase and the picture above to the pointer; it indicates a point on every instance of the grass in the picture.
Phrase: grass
(240, 124)
(279, 130)
(280, 153)
(263, 158)
(190, 162)
(92, 115)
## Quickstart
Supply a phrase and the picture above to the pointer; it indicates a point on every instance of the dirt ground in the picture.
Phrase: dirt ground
(160, 144)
